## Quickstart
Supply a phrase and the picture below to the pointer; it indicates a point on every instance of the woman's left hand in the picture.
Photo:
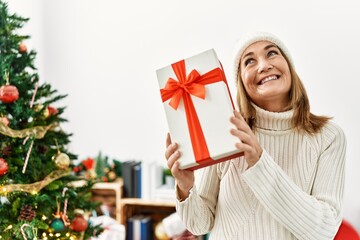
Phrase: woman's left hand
(248, 142)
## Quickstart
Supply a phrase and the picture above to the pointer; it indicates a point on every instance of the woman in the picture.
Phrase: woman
(289, 183)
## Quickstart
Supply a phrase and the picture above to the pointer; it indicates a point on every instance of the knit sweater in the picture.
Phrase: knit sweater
(294, 191)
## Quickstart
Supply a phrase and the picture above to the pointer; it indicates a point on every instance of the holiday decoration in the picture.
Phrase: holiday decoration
(22, 48)
(3, 167)
(34, 94)
(88, 163)
(63, 215)
(6, 151)
(31, 180)
(34, 187)
(8, 94)
(5, 121)
(57, 225)
(27, 155)
(33, 231)
(52, 111)
(61, 160)
(37, 132)
(99, 168)
(27, 213)
(79, 223)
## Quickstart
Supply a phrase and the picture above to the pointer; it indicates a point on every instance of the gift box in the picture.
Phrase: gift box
(198, 108)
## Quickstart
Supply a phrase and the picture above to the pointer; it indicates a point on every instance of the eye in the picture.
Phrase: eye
(272, 53)
(248, 61)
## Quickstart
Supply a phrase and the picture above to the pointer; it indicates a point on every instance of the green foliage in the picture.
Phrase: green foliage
(17, 69)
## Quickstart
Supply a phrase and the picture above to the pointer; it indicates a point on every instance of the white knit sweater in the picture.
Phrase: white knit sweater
(294, 191)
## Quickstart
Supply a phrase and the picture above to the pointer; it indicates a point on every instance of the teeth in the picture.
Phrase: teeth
(269, 79)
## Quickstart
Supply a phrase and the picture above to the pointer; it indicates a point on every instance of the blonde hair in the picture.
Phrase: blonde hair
(302, 120)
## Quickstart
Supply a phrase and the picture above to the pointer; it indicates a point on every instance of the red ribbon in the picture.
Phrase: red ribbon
(193, 84)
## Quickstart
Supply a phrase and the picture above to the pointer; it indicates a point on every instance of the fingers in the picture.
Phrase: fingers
(243, 136)
(172, 160)
(239, 122)
(170, 150)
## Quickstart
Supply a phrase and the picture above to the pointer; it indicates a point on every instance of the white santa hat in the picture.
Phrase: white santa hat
(251, 38)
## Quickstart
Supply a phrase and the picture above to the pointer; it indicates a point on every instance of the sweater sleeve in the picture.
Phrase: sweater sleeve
(308, 216)
(198, 210)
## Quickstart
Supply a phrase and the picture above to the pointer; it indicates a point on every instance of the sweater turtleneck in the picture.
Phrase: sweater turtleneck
(273, 121)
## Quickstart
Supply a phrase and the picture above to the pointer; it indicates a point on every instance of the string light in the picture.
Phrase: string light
(3, 190)
(8, 227)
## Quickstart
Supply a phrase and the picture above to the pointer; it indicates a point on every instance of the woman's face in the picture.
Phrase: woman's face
(266, 76)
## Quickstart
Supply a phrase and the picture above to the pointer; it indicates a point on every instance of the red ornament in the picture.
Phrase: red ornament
(9, 94)
(22, 48)
(3, 167)
(5, 121)
(79, 224)
(52, 110)
(88, 163)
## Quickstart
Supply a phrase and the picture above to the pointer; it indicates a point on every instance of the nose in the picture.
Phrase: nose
(264, 65)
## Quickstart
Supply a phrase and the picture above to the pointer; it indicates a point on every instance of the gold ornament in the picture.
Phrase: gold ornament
(40, 107)
(46, 113)
(61, 160)
(112, 175)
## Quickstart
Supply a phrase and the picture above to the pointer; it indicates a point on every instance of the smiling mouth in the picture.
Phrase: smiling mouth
(268, 79)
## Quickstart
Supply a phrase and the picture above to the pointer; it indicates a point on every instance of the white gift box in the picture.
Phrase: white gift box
(213, 112)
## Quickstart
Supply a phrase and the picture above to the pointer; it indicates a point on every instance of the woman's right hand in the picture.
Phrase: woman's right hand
(184, 178)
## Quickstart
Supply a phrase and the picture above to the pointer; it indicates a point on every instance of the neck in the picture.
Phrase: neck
(272, 107)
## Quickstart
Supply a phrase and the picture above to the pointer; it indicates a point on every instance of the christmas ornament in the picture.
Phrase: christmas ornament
(6, 151)
(57, 225)
(64, 217)
(34, 231)
(112, 175)
(88, 163)
(22, 48)
(27, 213)
(5, 121)
(79, 223)
(34, 94)
(104, 179)
(9, 94)
(27, 154)
(52, 111)
(3, 167)
(61, 160)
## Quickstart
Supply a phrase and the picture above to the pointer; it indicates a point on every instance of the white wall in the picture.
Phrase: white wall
(104, 54)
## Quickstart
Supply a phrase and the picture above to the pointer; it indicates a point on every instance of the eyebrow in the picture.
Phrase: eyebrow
(265, 48)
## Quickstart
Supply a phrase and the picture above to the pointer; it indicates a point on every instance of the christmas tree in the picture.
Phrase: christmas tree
(39, 197)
